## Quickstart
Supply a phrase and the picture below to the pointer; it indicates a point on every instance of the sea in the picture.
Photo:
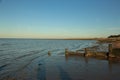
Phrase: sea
(28, 59)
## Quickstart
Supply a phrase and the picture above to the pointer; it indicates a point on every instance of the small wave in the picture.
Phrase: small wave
(5, 44)
(2, 67)
(55, 50)
(77, 47)
(30, 54)
(1, 50)
(4, 55)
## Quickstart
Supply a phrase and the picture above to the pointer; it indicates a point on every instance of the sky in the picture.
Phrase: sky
(59, 18)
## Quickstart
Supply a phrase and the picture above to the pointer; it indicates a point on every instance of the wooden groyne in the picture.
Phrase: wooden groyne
(77, 52)
(113, 52)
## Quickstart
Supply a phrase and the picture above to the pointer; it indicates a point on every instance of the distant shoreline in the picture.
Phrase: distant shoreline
(98, 39)
(109, 40)
(54, 38)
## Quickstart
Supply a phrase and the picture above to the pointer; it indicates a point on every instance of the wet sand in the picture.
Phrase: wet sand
(70, 68)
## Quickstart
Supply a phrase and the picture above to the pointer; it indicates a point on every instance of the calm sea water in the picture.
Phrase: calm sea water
(27, 59)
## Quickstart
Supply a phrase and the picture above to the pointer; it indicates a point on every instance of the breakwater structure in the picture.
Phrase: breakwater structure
(112, 54)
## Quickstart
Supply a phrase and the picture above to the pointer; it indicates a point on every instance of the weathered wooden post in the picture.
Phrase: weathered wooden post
(110, 54)
(110, 48)
(86, 51)
(49, 53)
(66, 51)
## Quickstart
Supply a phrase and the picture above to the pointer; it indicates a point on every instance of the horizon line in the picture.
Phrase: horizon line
(56, 38)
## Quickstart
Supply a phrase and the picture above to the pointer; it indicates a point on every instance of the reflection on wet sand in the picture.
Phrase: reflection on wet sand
(63, 74)
(103, 66)
(74, 68)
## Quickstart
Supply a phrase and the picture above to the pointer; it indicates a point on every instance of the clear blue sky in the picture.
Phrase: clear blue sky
(59, 18)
